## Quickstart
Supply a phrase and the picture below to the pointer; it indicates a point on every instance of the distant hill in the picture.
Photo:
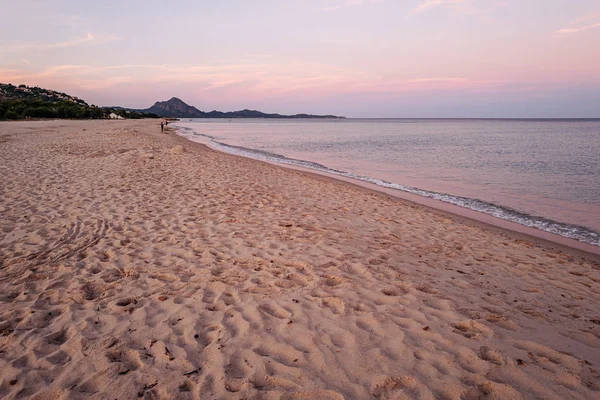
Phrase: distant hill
(19, 102)
(24, 92)
(178, 109)
(174, 108)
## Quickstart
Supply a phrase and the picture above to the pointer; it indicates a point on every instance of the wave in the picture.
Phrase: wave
(580, 233)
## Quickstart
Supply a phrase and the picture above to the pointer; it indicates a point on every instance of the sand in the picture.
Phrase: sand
(135, 264)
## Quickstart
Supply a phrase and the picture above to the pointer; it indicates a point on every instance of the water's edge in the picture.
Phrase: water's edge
(576, 232)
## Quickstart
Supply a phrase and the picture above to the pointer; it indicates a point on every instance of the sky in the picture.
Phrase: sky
(357, 58)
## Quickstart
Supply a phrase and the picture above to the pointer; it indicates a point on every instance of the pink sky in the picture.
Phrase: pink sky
(359, 58)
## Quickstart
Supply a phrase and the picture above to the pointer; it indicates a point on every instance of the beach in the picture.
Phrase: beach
(135, 264)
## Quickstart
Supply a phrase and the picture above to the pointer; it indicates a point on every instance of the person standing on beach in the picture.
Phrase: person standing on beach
(162, 126)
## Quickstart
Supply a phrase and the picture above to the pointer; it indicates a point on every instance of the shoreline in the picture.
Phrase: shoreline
(137, 264)
(512, 229)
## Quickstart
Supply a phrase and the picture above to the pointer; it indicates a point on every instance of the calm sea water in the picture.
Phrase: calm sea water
(539, 173)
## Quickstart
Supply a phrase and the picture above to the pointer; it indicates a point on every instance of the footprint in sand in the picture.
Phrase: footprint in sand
(57, 338)
(59, 358)
(472, 330)
(492, 390)
(491, 355)
(275, 310)
(336, 304)
(91, 291)
(399, 388)
(332, 280)
(129, 360)
(237, 372)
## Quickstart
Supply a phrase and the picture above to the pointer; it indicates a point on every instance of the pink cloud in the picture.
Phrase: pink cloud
(88, 38)
(567, 31)
(586, 22)
(349, 3)
(463, 6)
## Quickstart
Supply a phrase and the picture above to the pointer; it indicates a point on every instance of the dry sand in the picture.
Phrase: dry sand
(135, 264)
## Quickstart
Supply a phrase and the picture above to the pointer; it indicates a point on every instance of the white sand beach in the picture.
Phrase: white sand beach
(135, 264)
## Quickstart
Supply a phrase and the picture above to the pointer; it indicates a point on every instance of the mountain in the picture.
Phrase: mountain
(176, 108)
(18, 102)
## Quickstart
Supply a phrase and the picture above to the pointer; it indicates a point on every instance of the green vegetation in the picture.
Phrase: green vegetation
(22, 108)
(21, 102)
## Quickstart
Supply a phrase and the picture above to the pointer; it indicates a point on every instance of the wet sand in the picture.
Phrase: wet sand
(136, 264)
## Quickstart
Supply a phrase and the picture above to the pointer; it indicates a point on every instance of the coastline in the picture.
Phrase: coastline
(512, 229)
(139, 264)
(464, 215)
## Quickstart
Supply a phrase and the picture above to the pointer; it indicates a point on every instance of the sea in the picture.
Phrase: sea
(540, 173)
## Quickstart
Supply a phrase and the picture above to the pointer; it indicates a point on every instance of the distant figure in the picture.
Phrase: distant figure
(162, 126)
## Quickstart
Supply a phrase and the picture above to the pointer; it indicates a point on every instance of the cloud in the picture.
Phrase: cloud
(349, 3)
(591, 16)
(463, 6)
(583, 23)
(567, 31)
(428, 5)
(88, 38)
(424, 80)
(262, 74)
(261, 77)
